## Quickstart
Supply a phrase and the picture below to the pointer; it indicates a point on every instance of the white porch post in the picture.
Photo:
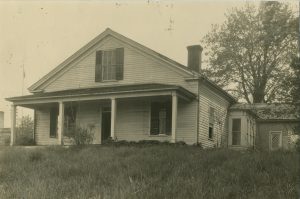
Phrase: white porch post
(60, 124)
(13, 125)
(113, 117)
(174, 116)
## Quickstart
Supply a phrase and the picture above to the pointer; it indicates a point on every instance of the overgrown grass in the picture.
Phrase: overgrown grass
(158, 171)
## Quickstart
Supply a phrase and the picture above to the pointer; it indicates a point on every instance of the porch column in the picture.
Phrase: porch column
(113, 117)
(60, 124)
(174, 116)
(13, 125)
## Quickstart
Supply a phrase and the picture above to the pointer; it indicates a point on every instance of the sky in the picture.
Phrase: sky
(39, 35)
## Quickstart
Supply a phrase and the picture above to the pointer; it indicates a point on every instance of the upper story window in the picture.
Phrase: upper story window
(109, 65)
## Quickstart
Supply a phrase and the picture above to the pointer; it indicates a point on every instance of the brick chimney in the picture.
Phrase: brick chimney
(194, 57)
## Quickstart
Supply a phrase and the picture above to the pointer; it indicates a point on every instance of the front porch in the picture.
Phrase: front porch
(118, 113)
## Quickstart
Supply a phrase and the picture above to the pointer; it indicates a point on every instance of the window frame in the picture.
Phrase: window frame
(211, 121)
(235, 132)
(211, 134)
(70, 117)
(163, 105)
(109, 67)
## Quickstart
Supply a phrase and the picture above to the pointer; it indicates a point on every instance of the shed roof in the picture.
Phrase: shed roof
(275, 112)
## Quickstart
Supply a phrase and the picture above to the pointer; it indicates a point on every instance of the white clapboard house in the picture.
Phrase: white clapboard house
(123, 90)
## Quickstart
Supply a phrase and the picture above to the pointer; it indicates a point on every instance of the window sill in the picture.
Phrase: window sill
(53, 137)
(160, 135)
(106, 81)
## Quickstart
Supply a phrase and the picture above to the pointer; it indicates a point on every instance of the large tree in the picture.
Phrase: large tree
(249, 54)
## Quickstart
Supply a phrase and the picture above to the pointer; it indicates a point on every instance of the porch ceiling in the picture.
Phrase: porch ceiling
(105, 92)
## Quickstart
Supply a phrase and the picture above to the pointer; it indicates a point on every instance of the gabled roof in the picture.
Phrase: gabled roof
(116, 35)
(191, 73)
(106, 90)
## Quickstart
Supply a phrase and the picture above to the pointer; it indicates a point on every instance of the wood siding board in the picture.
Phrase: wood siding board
(209, 98)
(138, 68)
(42, 128)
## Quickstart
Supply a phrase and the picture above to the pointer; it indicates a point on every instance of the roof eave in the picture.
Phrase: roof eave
(223, 92)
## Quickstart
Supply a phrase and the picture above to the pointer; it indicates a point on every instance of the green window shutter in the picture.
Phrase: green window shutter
(119, 63)
(98, 66)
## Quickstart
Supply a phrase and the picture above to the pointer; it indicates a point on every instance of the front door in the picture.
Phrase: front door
(105, 126)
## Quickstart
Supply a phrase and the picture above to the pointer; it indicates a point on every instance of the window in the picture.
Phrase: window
(211, 123)
(161, 120)
(275, 140)
(210, 131)
(53, 121)
(109, 65)
(236, 131)
(70, 120)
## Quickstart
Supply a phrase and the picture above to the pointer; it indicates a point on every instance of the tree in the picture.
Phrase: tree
(249, 54)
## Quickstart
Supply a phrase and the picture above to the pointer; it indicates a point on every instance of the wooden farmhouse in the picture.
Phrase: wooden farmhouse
(121, 90)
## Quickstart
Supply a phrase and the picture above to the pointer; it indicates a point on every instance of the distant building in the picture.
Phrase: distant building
(4, 132)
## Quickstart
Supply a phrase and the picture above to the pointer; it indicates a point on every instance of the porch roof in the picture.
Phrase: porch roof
(105, 90)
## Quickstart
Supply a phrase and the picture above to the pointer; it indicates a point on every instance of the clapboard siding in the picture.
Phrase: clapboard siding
(209, 98)
(138, 68)
(187, 122)
(133, 121)
(265, 128)
(42, 135)
(89, 117)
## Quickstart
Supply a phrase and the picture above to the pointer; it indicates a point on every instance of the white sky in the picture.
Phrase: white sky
(42, 34)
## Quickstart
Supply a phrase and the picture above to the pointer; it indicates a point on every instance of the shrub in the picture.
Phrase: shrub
(25, 139)
(149, 142)
(82, 136)
(180, 143)
(24, 131)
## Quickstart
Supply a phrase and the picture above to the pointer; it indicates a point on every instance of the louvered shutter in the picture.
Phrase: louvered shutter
(119, 63)
(98, 66)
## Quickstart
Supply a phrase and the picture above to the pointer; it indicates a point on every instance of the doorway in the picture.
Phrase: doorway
(105, 123)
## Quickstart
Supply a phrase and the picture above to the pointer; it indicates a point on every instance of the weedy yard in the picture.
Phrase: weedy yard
(146, 171)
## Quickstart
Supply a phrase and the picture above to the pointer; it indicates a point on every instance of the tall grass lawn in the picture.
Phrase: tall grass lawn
(155, 171)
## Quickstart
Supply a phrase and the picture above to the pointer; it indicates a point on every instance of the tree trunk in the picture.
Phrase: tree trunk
(259, 96)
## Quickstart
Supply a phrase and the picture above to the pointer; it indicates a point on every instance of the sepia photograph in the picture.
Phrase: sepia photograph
(107, 99)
